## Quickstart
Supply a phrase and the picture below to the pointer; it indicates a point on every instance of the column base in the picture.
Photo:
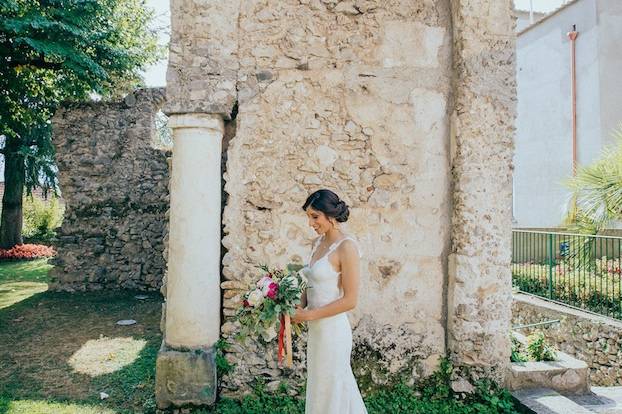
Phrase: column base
(185, 377)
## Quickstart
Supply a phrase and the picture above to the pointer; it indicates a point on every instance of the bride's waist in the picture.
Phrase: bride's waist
(340, 319)
(316, 301)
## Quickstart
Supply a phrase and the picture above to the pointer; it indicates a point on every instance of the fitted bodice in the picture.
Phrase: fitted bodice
(323, 283)
(323, 280)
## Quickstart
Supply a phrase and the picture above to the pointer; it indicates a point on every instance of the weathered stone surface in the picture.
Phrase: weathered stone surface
(479, 290)
(349, 104)
(597, 340)
(185, 377)
(387, 354)
(115, 187)
(203, 65)
(358, 96)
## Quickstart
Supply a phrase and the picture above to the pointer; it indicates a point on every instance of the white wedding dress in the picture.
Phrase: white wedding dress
(331, 386)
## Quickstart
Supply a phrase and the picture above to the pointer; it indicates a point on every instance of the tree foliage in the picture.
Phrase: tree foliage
(52, 51)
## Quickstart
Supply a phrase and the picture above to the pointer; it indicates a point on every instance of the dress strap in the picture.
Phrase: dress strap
(336, 244)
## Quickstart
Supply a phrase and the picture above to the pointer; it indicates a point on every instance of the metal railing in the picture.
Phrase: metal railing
(575, 269)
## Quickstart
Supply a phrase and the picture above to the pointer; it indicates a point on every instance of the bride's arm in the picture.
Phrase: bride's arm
(349, 282)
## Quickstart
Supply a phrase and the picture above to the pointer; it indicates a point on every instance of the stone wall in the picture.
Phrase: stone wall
(352, 97)
(597, 340)
(484, 109)
(405, 109)
(115, 185)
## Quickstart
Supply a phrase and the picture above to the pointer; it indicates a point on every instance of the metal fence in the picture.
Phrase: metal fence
(576, 269)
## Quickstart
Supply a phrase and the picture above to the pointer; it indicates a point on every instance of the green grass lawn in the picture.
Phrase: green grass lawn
(25, 271)
(60, 350)
(20, 280)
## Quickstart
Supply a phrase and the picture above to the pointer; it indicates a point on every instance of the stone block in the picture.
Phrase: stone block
(185, 377)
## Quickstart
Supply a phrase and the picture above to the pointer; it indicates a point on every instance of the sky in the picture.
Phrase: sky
(539, 5)
(156, 74)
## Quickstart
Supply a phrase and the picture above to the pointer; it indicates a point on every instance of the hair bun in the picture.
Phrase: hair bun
(343, 212)
(329, 203)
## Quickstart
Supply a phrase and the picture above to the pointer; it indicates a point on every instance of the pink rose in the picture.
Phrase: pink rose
(273, 288)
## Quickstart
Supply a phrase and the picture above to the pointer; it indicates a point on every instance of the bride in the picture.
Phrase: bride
(333, 275)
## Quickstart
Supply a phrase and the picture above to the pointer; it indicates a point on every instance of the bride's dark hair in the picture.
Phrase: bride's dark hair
(328, 203)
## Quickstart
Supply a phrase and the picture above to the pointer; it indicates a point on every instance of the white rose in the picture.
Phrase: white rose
(255, 297)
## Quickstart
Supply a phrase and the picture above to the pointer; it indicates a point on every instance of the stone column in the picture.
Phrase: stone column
(479, 285)
(186, 371)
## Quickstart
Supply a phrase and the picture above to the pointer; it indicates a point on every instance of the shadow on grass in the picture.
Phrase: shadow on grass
(40, 334)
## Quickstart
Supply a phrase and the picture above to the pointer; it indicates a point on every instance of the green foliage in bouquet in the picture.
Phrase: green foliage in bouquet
(278, 292)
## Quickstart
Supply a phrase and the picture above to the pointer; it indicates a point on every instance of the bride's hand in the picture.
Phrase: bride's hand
(301, 315)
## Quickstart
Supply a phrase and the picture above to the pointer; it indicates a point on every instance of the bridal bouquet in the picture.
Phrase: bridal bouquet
(269, 306)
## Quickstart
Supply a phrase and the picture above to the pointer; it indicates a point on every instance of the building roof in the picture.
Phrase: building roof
(526, 12)
(548, 16)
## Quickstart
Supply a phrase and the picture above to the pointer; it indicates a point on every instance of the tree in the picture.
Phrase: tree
(52, 51)
(597, 191)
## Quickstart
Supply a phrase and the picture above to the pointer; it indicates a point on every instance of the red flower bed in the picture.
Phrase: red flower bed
(26, 252)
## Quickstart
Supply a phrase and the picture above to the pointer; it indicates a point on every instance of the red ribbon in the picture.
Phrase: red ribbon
(281, 335)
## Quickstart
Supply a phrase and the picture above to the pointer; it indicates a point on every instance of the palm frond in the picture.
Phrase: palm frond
(597, 191)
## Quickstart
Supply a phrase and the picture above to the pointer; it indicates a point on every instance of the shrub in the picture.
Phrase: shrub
(41, 218)
(26, 252)
(517, 354)
(539, 349)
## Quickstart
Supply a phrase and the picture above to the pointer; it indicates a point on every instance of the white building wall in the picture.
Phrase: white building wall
(610, 66)
(543, 155)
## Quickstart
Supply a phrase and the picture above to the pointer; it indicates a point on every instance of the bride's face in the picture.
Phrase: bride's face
(318, 221)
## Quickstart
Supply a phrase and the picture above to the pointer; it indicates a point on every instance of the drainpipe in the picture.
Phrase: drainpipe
(573, 76)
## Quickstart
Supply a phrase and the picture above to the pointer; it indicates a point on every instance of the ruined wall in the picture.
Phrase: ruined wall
(351, 97)
(479, 288)
(115, 185)
(358, 96)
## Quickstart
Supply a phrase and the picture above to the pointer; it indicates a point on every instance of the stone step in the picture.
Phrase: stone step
(602, 400)
(566, 375)
(548, 401)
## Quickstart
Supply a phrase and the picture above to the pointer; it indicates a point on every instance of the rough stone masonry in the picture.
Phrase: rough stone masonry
(115, 185)
(404, 108)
